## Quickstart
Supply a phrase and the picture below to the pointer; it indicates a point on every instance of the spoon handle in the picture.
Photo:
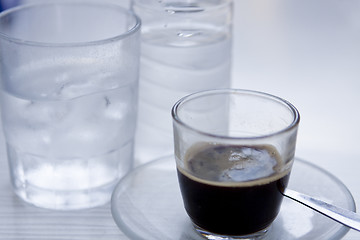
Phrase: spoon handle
(341, 215)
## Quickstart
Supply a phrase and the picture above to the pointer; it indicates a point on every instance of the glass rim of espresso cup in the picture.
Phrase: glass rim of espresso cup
(193, 96)
(111, 6)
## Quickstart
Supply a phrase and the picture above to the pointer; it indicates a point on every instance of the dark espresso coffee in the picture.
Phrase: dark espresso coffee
(232, 190)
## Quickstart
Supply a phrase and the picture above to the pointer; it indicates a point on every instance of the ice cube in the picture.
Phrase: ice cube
(44, 112)
(87, 84)
(119, 103)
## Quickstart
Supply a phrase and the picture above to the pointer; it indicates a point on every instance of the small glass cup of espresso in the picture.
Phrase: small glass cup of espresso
(234, 152)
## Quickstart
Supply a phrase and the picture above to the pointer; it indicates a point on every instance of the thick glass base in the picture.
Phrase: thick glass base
(63, 200)
(67, 184)
(213, 236)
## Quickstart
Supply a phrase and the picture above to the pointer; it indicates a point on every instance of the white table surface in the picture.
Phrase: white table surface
(307, 52)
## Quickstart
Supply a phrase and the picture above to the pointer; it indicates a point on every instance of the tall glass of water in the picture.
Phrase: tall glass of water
(69, 80)
(186, 47)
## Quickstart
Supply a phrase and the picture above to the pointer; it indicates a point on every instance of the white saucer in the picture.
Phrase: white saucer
(147, 204)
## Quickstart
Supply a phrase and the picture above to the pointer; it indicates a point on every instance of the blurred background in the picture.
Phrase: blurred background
(307, 52)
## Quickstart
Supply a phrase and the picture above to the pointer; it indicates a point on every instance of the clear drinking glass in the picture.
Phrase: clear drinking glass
(69, 84)
(234, 151)
(185, 47)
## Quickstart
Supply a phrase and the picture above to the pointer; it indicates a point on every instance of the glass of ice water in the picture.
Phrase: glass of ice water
(185, 47)
(69, 83)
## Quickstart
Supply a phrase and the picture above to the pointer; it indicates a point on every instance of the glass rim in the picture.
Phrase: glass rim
(289, 127)
(170, 9)
(135, 28)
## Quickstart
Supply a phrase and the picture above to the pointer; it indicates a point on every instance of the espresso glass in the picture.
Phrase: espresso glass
(234, 151)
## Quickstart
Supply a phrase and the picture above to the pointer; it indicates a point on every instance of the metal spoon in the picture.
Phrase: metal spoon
(341, 215)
